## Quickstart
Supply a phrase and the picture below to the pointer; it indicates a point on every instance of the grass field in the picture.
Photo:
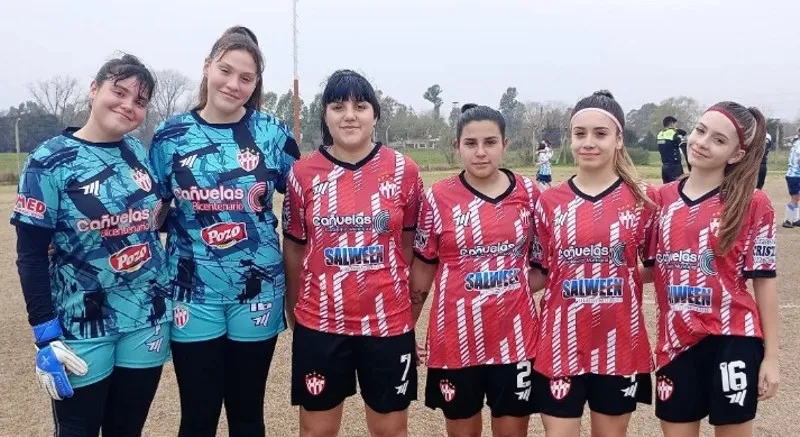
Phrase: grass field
(25, 411)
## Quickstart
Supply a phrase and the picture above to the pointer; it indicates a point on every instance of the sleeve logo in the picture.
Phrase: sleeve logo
(28, 206)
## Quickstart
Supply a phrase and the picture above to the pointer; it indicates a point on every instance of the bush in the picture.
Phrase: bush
(639, 156)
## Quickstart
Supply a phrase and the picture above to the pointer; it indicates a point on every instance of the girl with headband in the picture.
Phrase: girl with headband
(593, 345)
(717, 350)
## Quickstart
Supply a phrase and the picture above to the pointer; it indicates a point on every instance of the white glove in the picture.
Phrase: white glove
(54, 359)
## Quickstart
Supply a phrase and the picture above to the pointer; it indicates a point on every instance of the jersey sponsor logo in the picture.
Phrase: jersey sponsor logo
(92, 188)
(764, 251)
(130, 259)
(560, 387)
(180, 316)
(689, 298)
(498, 249)
(30, 207)
(688, 260)
(315, 384)
(493, 281)
(358, 258)
(354, 223)
(224, 235)
(188, 162)
(115, 225)
(448, 390)
(593, 290)
(664, 388)
(142, 179)
(255, 196)
(594, 254)
(212, 199)
(248, 159)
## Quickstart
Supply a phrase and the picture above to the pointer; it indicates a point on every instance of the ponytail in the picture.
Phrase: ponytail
(739, 183)
(625, 169)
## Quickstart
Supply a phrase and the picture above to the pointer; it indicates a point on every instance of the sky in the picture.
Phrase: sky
(641, 50)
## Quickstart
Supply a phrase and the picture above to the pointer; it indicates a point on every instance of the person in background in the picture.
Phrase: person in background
(544, 175)
(762, 170)
(792, 216)
(669, 147)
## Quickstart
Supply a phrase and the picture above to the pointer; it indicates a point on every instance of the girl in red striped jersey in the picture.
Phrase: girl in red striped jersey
(473, 240)
(593, 346)
(717, 346)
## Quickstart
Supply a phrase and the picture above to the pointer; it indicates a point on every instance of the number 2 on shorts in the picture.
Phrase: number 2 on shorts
(524, 368)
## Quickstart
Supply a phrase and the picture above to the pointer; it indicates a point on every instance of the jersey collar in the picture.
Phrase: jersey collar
(485, 198)
(324, 151)
(600, 196)
(699, 200)
(70, 133)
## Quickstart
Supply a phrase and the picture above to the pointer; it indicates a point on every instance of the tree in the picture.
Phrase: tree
(630, 138)
(514, 112)
(455, 114)
(172, 95)
(686, 109)
(312, 131)
(56, 94)
(638, 120)
(270, 102)
(284, 109)
(433, 95)
(649, 142)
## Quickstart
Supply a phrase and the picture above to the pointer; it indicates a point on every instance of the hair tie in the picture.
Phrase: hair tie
(602, 111)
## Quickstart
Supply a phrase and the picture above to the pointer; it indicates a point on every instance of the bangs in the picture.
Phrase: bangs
(144, 79)
(346, 87)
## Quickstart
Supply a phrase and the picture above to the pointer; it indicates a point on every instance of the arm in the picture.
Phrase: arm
(766, 291)
(32, 265)
(408, 247)
(293, 253)
(422, 274)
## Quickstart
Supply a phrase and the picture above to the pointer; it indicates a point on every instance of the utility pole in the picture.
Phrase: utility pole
(296, 77)
(16, 135)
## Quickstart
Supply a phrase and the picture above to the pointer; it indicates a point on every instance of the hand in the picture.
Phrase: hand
(52, 364)
(290, 322)
(422, 355)
(54, 359)
(768, 378)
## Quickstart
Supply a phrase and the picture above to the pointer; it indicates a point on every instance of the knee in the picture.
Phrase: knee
(389, 430)
(318, 430)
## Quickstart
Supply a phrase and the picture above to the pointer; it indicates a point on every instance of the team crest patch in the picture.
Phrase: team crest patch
(664, 388)
(142, 179)
(448, 390)
(387, 187)
(180, 316)
(315, 383)
(627, 218)
(248, 159)
(560, 387)
(525, 217)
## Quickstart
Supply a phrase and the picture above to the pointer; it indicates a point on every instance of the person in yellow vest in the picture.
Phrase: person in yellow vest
(669, 147)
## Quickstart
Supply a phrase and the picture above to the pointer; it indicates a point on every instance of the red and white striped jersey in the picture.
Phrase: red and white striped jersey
(351, 217)
(591, 317)
(698, 292)
(482, 311)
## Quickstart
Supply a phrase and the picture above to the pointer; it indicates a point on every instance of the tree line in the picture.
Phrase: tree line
(62, 101)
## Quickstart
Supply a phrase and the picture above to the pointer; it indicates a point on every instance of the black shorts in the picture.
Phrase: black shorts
(793, 183)
(611, 395)
(460, 393)
(717, 377)
(325, 366)
(671, 172)
(544, 178)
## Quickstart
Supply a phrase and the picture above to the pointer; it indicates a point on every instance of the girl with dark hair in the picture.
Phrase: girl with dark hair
(473, 240)
(349, 218)
(593, 345)
(98, 307)
(717, 350)
(221, 164)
